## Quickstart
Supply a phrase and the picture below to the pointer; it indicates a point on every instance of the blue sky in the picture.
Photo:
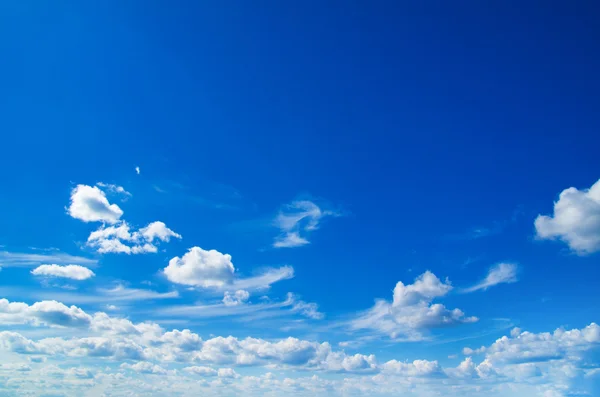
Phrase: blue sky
(352, 193)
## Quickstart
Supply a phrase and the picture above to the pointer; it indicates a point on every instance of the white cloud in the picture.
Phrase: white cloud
(120, 239)
(89, 204)
(202, 268)
(239, 297)
(297, 218)
(502, 273)
(74, 272)
(137, 170)
(411, 310)
(212, 269)
(575, 221)
(51, 313)
(307, 309)
(22, 259)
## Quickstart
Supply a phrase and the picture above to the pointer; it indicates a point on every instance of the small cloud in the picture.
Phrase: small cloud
(137, 170)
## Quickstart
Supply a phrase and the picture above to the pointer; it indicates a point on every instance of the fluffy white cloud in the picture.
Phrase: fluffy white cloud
(89, 204)
(237, 298)
(199, 267)
(412, 310)
(120, 239)
(50, 313)
(498, 274)
(297, 218)
(212, 269)
(529, 347)
(576, 220)
(74, 272)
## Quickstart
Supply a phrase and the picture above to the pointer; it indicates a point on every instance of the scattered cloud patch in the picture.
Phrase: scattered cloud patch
(296, 221)
(137, 170)
(575, 221)
(73, 272)
(502, 273)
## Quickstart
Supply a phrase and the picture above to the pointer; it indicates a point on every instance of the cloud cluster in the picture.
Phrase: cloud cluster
(213, 269)
(529, 364)
(575, 221)
(119, 239)
(89, 204)
(411, 310)
(296, 220)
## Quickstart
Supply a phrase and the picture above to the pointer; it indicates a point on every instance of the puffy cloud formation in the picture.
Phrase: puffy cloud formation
(237, 298)
(498, 274)
(89, 204)
(74, 272)
(297, 218)
(119, 238)
(212, 269)
(201, 268)
(576, 220)
(412, 310)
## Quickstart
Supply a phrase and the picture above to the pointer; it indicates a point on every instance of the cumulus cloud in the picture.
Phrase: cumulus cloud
(575, 221)
(89, 204)
(296, 220)
(411, 310)
(73, 272)
(120, 239)
(502, 273)
(137, 170)
(213, 269)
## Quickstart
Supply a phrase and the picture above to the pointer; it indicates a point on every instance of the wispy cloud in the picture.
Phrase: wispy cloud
(25, 259)
(296, 221)
(119, 293)
(502, 273)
